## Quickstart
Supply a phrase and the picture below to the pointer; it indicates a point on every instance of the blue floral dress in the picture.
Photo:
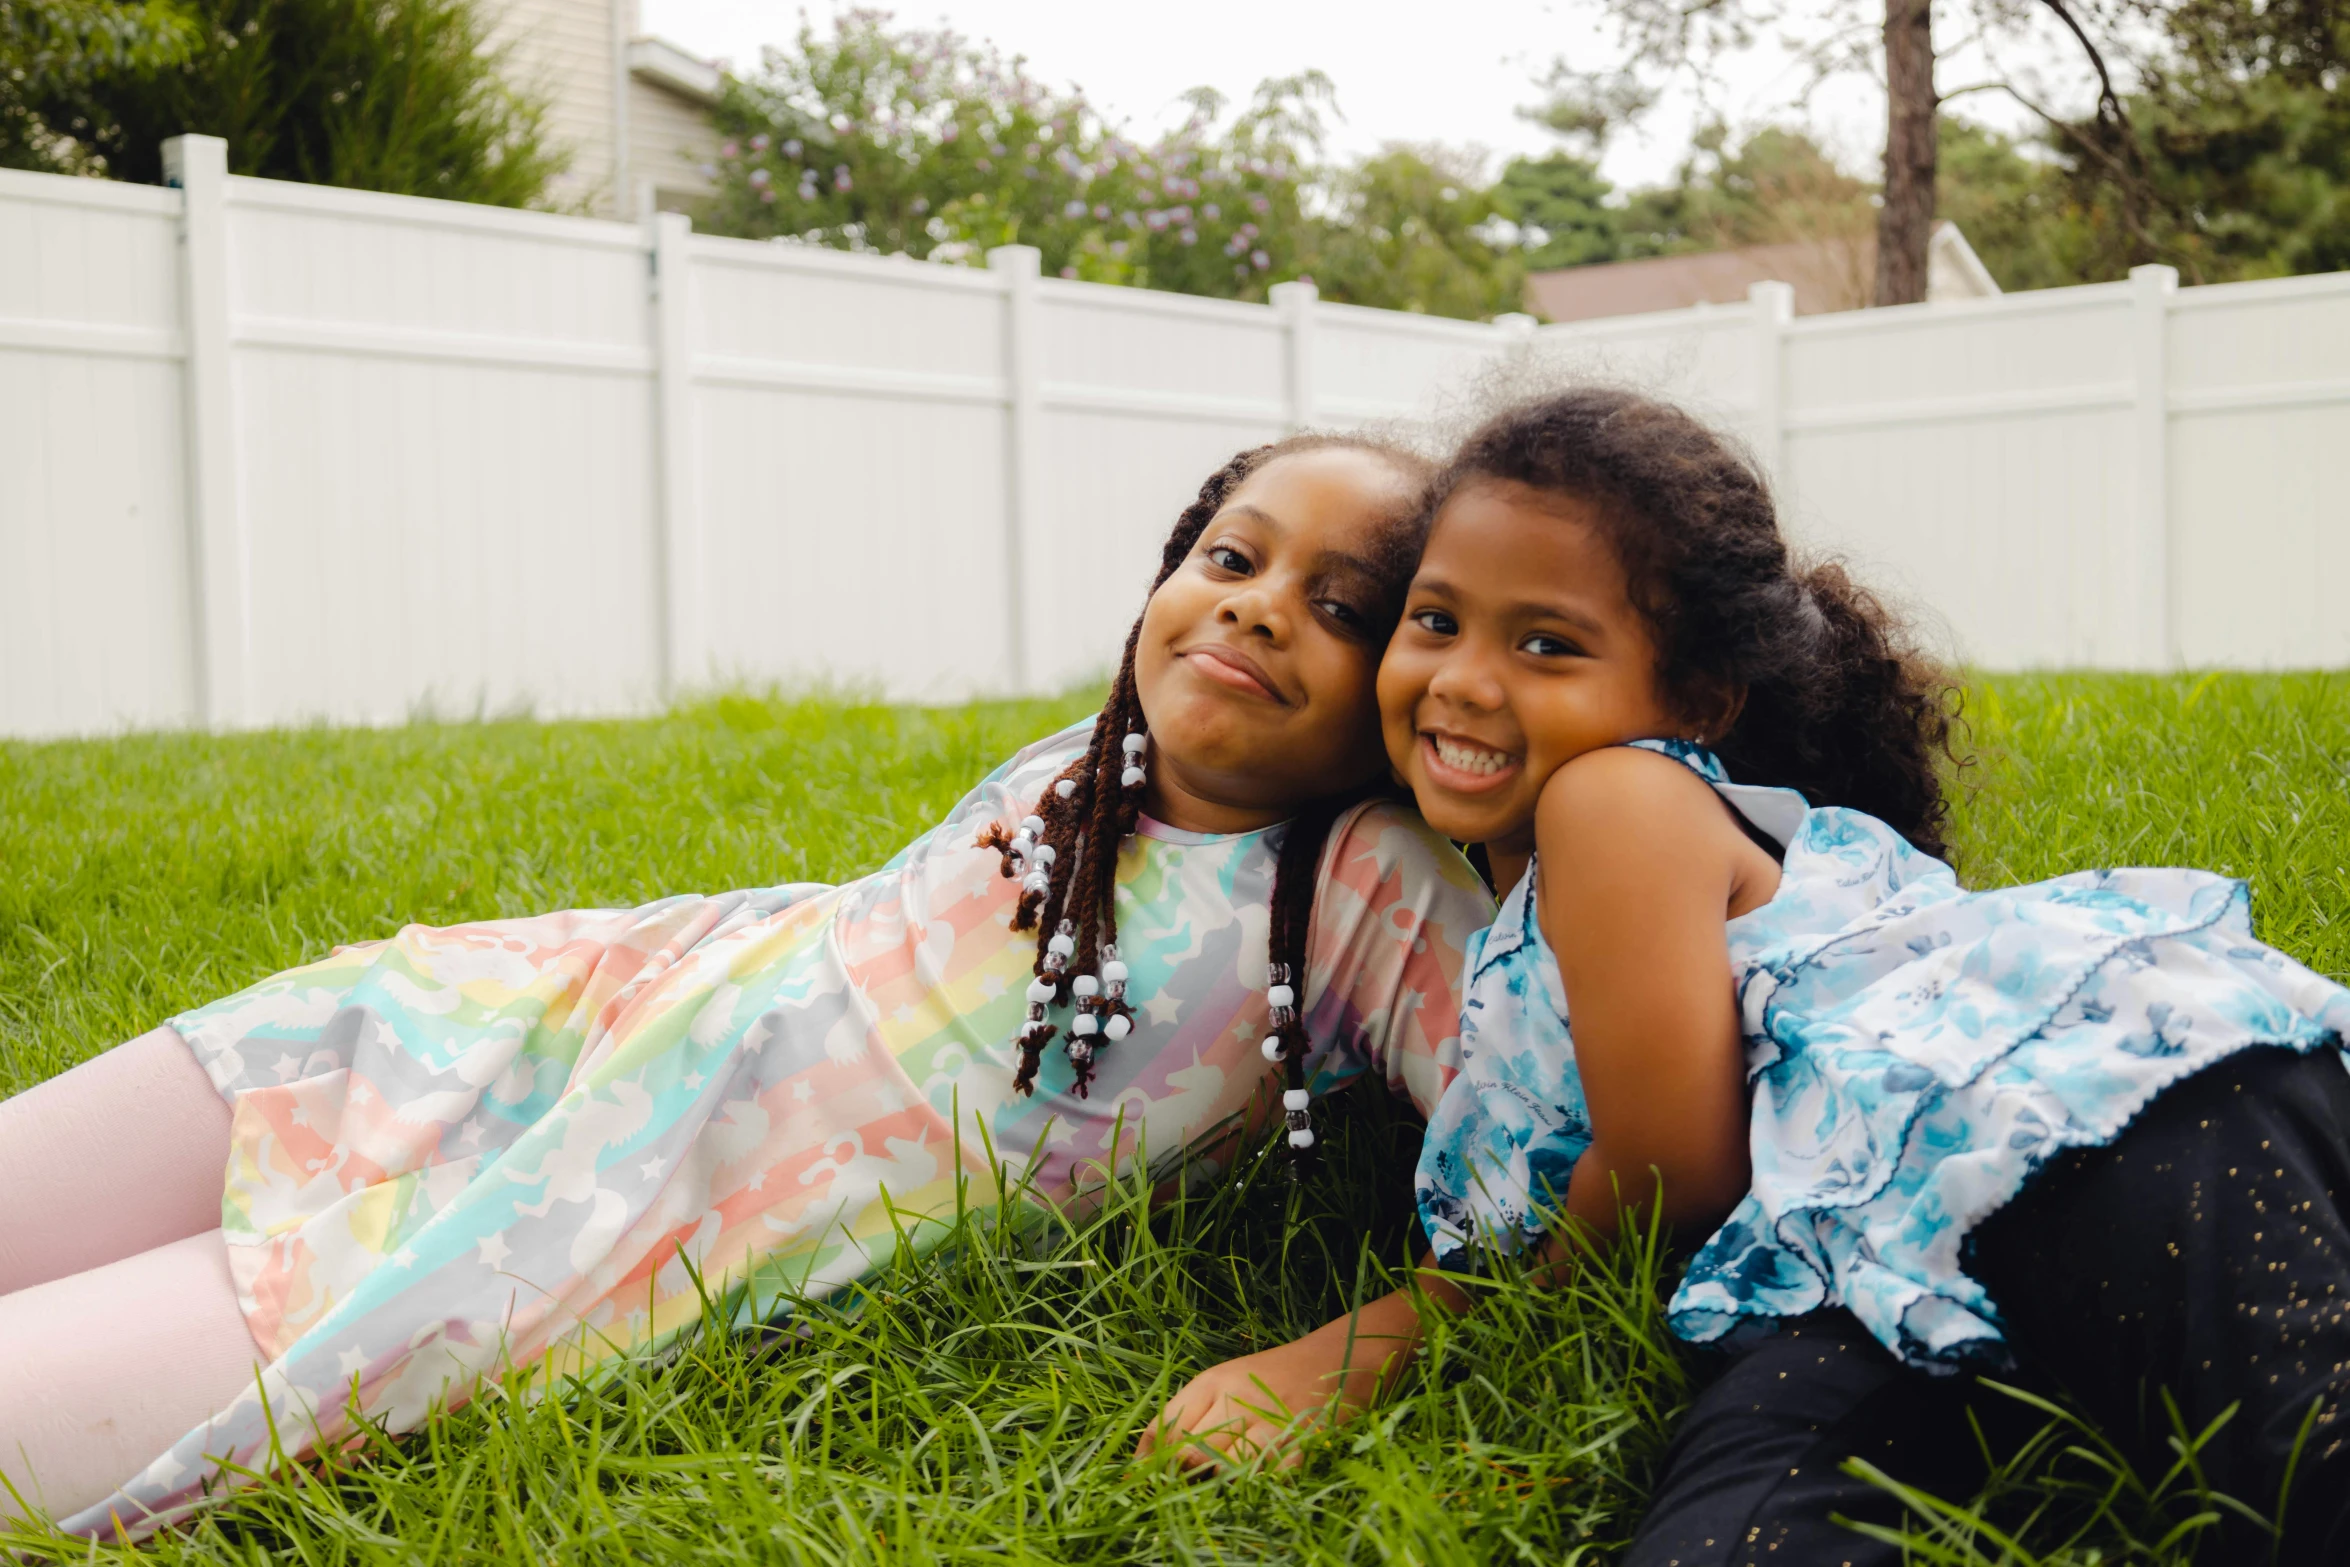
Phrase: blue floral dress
(1915, 1053)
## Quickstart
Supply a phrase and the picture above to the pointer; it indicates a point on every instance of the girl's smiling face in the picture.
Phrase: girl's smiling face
(1256, 661)
(1519, 650)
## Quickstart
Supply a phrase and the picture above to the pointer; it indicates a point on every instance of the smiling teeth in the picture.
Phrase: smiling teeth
(1469, 758)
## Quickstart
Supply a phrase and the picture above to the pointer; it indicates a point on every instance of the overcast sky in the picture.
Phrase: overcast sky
(1437, 70)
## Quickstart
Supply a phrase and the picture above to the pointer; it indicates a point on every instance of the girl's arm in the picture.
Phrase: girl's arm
(1641, 867)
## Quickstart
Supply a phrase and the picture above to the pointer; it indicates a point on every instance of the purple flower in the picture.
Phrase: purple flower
(1259, 205)
(730, 150)
(791, 149)
(1101, 210)
(1189, 236)
(1075, 209)
(1211, 212)
(1118, 249)
(952, 132)
(759, 142)
(1259, 260)
(985, 164)
(1068, 271)
(767, 196)
(1156, 220)
(1179, 215)
(921, 205)
(1131, 220)
(760, 177)
(841, 180)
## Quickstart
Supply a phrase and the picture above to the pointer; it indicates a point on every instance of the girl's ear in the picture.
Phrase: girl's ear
(1715, 712)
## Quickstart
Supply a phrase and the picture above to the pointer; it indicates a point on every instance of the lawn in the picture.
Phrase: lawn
(982, 1407)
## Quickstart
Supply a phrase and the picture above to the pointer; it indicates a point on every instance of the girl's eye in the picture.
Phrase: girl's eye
(1435, 622)
(1543, 645)
(1230, 559)
(1344, 613)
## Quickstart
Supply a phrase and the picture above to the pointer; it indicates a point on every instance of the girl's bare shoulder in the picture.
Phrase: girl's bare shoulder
(1620, 800)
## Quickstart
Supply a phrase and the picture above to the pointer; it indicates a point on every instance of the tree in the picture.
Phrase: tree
(905, 141)
(1559, 207)
(1408, 229)
(1776, 186)
(394, 95)
(53, 48)
(878, 138)
(1669, 38)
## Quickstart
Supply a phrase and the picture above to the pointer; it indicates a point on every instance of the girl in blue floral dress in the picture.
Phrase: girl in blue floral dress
(2088, 1131)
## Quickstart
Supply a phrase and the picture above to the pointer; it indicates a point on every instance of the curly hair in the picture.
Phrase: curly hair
(1089, 812)
(1839, 702)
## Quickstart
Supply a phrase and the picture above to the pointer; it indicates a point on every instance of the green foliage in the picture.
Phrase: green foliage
(53, 48)
(1775, 186)
(981, 1406)
(884, 139)
(405, 96)
(2010, 201)
(1559, 204)
(876, 137)
(1407, 230)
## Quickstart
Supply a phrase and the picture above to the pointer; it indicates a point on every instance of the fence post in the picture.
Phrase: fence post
(1773, 306)
(1517, 327)
(219, 613)
(1296, 301)
(685, 648)
(2151, 288)
(1018, 266)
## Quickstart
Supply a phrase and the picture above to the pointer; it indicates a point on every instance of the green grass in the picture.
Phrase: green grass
(981, 1407)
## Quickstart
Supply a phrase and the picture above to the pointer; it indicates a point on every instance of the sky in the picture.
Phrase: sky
(1454, 71)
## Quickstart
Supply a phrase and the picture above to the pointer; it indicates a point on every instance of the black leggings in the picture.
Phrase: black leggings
(2205, 1251)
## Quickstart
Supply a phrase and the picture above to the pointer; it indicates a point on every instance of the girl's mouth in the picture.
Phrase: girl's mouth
(1464, 766)
(1227, 667)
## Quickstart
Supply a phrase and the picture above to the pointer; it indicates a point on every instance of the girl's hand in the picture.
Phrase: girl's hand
(1249, 1407)
(1261, 1403)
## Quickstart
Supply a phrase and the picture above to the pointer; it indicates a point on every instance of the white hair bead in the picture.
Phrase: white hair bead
(1065, 788)
(1041, 991)
(1295, 1098)
(1134, 745)
(1114, 972)
(1281, 996)
(1062, 943)
(1086, 1023)
(1086, 985)
(1038, 881)
(1303, 1137)
(1046, 854)
(1271, 1047)
(1132, 778)
(1119, 1025)
(1032, 825)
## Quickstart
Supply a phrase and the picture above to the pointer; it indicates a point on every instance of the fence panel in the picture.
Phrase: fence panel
(849, 441)
(1977, 460)
(95, 616)
(2260, 471)
(443, 419)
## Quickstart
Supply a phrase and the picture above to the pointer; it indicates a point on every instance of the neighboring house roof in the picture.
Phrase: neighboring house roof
(1827, 275)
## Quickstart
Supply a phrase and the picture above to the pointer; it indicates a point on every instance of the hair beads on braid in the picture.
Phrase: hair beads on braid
(1066, 854)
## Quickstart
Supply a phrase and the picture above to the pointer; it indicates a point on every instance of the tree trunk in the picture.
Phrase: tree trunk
(1906, 221)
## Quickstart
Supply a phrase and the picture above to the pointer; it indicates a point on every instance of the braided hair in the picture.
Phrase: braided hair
(1066, 853)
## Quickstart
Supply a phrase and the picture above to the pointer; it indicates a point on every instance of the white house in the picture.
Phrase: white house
(633, 109)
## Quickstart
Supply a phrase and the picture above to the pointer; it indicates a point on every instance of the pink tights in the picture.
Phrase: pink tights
(119, 1325)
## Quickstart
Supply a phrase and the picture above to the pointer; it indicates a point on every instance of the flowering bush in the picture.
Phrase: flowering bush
(926, 144)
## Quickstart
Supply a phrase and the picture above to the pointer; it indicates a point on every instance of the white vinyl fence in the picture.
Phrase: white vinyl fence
(272, 453)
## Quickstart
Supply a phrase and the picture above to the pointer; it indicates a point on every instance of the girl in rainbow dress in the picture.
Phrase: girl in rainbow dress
(518, 1143)
(2089, 1132)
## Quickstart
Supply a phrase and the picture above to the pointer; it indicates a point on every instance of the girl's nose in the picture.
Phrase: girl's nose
(1465, 678)
(1255, 610)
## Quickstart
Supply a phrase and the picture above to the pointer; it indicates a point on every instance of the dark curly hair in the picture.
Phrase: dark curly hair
(1839, 703)
(1088, 813)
